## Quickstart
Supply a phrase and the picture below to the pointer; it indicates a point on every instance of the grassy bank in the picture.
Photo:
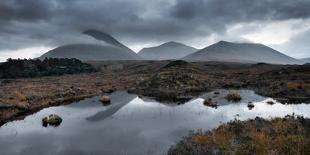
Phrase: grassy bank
(289, 135)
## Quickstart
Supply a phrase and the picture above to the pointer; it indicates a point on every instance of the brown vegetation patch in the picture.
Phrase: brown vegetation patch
(290, 135)
(233, 97)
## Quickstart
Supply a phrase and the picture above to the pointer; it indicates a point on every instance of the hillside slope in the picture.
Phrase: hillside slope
(307, 60)
(90, 52)
(241, 52)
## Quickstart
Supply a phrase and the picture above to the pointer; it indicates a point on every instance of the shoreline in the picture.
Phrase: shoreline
(169, 81)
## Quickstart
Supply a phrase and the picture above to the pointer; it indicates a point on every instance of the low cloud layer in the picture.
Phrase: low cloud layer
(26, 24)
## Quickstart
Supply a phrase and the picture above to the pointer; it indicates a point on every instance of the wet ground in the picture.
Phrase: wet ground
(168, 81)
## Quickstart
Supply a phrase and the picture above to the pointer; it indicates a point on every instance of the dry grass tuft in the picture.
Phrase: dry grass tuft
(293, 85)
(200, 139)
(20, 96)
(234, 97)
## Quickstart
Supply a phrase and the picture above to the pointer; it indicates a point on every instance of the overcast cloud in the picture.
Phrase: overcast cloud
(44, 24)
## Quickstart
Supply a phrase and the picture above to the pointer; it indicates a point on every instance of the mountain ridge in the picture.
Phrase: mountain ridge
(241, 52)
(102, 36)
(166, 51)
(307, 60)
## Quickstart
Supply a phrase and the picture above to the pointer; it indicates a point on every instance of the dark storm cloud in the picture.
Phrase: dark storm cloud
(25, 10)
(236, 10)
(298, 46)
(26, 23)
(219, 13)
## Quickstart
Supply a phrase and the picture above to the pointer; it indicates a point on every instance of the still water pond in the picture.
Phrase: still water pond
(130, 125)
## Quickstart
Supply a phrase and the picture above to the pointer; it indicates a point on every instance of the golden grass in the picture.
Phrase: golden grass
(200, 139)
(20, 96)
(293, 85)
(279, 136)
(234, 97)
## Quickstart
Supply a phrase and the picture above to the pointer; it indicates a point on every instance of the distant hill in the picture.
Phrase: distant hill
(166, 51)
(307, 60)
(241, 52)
(94, 52)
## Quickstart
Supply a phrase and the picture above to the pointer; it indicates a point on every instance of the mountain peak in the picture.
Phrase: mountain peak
(166, 51)
(223, 42)
(241, 52)
(172, 43)
(99, 35)
(94, 31)
(94, 52)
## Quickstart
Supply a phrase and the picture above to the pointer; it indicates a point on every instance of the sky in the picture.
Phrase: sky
(29, 28)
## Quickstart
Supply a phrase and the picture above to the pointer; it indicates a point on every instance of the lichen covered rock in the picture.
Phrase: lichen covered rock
(51, 120)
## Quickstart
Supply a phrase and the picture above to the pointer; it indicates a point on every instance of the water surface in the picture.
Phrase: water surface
(130, 125)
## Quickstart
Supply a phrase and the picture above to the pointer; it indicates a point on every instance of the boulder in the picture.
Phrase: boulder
(217, 93)
(210, 103)
(251, 105)
(106, 100)
(271, 103)
(52, 120)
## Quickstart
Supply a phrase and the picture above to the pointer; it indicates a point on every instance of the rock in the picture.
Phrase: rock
(53, 120)
(271, 103)
(251, 105)
(217, 93)
(106, 100)
(210, 103)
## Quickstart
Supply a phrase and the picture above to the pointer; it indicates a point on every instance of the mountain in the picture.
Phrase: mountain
(169, 50)
(114, 50)
(90, 52)
(105, 37)
(307, 60)
(241, 52)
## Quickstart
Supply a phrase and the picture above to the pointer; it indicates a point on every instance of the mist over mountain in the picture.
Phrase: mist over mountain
(241, 52)
(169, 50)
(105, 37)
(90, 52)
(114, 50)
